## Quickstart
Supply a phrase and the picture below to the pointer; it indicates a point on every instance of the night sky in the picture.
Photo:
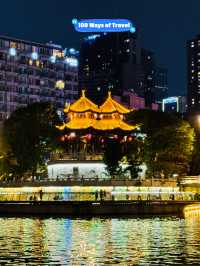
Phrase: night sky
(165, 25)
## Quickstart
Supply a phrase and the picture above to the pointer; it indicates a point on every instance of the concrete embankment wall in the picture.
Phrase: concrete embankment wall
(93, 208)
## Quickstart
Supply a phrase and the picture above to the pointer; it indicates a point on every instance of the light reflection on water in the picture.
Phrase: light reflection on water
(60, 241)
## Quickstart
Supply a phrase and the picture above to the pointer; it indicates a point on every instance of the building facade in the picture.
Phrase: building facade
(109, 62)
(161, 84)
(193, 74)
(175, 104)
(148, 65)
(117, 62)
(33, 72)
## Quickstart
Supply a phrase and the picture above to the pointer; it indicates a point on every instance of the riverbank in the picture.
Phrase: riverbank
(95, 208)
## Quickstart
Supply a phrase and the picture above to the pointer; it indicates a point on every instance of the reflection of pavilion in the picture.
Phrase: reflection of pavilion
(86, 131)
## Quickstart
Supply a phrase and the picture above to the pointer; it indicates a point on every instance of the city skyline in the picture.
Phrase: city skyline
(166, 35)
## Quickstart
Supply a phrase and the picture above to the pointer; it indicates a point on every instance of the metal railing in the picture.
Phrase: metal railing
(98, 196)
(70, 181)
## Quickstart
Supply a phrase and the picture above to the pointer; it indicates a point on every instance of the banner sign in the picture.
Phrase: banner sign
(103, 25)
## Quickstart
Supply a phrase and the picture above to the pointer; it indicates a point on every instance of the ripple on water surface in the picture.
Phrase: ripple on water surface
(148, 241)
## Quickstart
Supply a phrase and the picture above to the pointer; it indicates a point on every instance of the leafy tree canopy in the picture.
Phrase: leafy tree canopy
(168, 150)
(31, 134)
(112, 156)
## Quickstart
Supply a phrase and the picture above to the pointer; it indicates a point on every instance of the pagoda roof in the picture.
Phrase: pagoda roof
(83, 104)
(110, 106)
(78, 124)
(104, 124)
(111, 124)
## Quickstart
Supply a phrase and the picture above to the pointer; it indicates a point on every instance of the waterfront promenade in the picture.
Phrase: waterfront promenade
(91, 197)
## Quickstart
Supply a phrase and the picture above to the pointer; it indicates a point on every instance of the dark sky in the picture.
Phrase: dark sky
(165, 25)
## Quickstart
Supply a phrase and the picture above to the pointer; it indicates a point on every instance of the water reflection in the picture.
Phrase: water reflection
(149, 241)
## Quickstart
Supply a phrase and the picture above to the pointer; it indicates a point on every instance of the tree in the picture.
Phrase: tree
(194, 164)
(134, 154)
(112, 157)
(31, 134)
(150, 121)
(168, 150)
(168, 142)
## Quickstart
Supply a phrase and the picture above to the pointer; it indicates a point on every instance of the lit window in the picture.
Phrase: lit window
(98, 88)
(52, 59)
(34, 55)
(73, 62)
(12, 52)
(58, 53)
(60, 84)
(72, 51)
(37, 63)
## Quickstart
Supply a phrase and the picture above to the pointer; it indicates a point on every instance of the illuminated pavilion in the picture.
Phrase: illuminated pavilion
(84, 114)
(88, 127)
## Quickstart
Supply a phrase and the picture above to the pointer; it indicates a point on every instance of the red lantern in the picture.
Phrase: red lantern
(130, 138)
(89, 137)
(72, 135)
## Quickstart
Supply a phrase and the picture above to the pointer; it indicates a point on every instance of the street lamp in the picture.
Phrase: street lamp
(198, 120)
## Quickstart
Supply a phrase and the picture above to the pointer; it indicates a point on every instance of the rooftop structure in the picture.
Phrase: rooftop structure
(84, 114)
(88, 127)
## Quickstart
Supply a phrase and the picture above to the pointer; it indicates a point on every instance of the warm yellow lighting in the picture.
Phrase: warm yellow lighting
(111, 106)
(198, 119)
(13, 45)
(37, 63)
(58, 53)
(83, 104)
(60, 84)
(82, 114)
(72, 134)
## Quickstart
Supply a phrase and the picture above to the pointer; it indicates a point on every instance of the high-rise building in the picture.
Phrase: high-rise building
(155, 79)
(116, 62)
(33, 72)
(148, 65)
(193, 70)
(161, 84)
(110, 62)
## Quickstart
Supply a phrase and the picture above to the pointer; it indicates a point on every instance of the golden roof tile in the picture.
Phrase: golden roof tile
(83, 104)
(110, 106)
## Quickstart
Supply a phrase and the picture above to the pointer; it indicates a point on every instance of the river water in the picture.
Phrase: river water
(97, 241)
